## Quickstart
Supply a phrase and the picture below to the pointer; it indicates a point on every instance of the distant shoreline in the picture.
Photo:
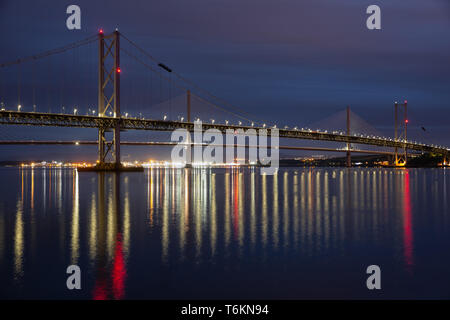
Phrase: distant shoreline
(363, 161)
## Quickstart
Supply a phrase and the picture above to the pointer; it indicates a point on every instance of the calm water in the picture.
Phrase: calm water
(225, 233)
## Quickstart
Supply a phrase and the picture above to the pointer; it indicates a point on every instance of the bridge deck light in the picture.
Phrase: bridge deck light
(165, 117)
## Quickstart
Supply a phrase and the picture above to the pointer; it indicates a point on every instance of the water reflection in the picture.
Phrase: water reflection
(407, 224)
(112, 247)
(19, 241)
(182, 217)
(75, 230)
(314, 210)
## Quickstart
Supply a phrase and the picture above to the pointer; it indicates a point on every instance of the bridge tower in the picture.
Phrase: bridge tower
(109, 94)
(349, 156)
(188, 116)
(402, 156)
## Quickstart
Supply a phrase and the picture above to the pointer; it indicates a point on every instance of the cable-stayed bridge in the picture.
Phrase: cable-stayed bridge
(102, 94)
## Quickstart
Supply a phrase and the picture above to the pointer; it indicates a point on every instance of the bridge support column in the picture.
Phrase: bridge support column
(117, 98)
(188, 116)
(109, 97)
(101, 145)
(396, 132)
(101, 98)
(405, 123)
(401, 158)
(349, 156)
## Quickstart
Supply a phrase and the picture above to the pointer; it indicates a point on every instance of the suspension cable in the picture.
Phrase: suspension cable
(182, 87)
(189, 82)
(51, 52)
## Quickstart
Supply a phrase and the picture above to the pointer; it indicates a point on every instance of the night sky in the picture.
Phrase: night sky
(294, 62)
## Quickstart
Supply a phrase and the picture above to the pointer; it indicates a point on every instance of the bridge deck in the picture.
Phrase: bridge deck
(67, 120)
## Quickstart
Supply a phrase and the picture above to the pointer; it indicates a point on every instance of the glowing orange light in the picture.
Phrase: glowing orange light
(118, 70)
(406, 121)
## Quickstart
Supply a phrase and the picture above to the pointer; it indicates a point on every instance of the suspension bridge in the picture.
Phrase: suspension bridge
(157, 99)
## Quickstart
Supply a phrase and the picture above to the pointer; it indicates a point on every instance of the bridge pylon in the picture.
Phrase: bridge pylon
(109, 95)
(400, 158)
(349, 155)
(188, 116)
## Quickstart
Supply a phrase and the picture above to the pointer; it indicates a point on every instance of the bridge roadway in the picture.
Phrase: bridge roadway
(81, 121)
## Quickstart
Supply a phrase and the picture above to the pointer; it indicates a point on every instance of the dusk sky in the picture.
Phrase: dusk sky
(293, 62)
